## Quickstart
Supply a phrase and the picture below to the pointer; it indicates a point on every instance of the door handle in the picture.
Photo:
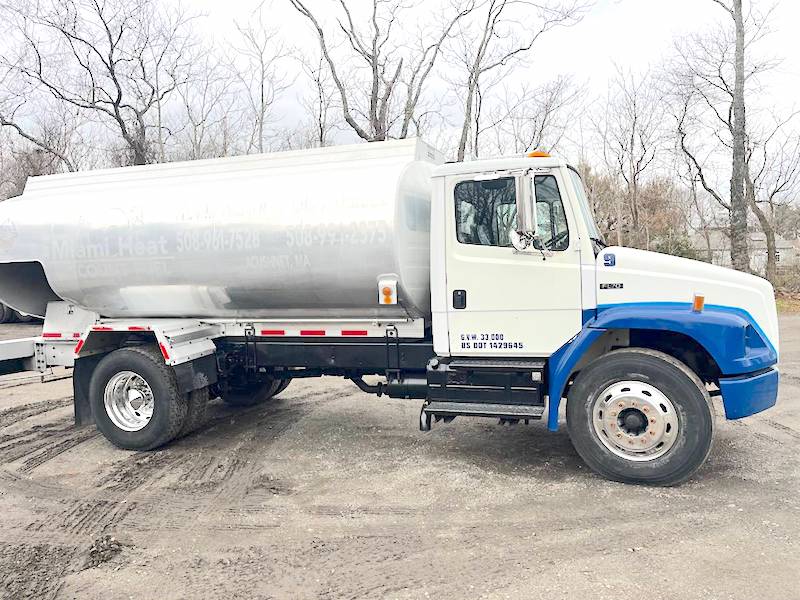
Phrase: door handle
(459, 299)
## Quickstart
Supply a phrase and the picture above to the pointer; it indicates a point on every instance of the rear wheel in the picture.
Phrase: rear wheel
(640, 416)
(135, 399)
(251, 395)
(284, 384)
(5, 313)
(196, 411)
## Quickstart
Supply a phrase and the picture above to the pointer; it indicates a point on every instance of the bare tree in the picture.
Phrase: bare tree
(382, 81)
(257, 63)
(772, 175)
(113, 59)
(705, 220)
(528, 117)
(631, 135)
(711, 82)
(319, 103)
(738, 128)
(506, 31)
(17, 115)
(209, 107)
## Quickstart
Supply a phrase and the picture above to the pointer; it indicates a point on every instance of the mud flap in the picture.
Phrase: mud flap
(81, 376)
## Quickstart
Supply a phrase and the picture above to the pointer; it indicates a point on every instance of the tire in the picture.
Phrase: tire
(284, 384)
(5, 313)
(196, 411)
(22, 318)
(677, 422)
(168, 407)
(251, 395)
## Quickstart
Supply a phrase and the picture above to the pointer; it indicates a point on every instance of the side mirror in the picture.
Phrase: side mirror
(523, 234)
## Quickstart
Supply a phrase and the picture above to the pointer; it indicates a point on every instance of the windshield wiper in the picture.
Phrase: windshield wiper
(599, 242)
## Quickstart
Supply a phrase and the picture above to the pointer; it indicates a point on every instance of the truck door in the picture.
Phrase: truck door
(504, 302)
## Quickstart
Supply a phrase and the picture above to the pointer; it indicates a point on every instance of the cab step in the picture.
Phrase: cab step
(447, 411)
(481, 364)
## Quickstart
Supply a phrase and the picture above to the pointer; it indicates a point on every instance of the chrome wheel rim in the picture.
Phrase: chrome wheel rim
(635, 420)
(129, 401)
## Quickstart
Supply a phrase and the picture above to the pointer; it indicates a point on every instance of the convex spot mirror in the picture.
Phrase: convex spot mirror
(521, 240)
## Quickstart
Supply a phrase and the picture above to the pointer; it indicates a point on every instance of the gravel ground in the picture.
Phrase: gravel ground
(327, 492)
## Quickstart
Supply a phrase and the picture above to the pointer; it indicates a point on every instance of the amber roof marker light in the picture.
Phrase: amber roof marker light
(538, 154)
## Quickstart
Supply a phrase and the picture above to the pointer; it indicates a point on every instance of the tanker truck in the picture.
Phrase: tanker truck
(478, 289)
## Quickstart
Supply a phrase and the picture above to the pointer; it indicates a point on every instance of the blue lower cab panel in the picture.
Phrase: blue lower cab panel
(747, 395)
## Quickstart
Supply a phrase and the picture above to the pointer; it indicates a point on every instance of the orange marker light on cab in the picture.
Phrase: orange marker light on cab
(698, 303)
(538, 154)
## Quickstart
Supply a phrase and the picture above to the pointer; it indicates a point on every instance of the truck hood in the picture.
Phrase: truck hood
(627, 275)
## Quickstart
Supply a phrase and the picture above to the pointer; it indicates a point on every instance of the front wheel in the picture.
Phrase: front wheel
(640, 416)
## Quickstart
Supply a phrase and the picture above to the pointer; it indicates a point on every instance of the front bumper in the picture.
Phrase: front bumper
(746, 395)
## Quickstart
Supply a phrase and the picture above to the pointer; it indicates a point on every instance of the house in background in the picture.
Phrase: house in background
(717, 247)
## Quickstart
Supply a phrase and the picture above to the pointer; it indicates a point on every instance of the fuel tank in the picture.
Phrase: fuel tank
(300, 234)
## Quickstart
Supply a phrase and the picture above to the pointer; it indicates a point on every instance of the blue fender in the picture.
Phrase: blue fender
(560, 367)
(730, 335)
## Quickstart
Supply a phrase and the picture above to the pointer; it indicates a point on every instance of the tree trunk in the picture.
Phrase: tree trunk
(739, 255)
(771, 270)
(462, 142)
(709, 251)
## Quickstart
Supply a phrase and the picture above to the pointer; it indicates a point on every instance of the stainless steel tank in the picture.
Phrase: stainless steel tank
(294, 234)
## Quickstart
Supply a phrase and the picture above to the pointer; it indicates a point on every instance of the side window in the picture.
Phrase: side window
(551, 220)
(485, 211)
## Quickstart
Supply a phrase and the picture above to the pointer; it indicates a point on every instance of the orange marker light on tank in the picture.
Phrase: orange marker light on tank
(387, 291)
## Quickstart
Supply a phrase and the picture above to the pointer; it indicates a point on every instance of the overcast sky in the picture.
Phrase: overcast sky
(634, 33)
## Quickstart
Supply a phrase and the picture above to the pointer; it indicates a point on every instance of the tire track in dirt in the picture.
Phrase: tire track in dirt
(783, 428)
(11, 444)
(50, 451)
(211, 471)
(326, 510)
(38, 444)
(139, 471)
(32, 409)
(230, 471)
(13, 482)
(87, 517)
(766, 430)
(34, 570)
(268, 428)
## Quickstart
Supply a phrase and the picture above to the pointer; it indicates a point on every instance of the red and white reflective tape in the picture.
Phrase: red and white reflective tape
(312, 332)
(355, 332)
(316, 333)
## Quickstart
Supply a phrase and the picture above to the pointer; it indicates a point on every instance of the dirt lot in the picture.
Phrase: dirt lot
(330, 493)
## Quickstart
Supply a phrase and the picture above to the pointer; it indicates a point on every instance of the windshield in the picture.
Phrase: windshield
(583, 202)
